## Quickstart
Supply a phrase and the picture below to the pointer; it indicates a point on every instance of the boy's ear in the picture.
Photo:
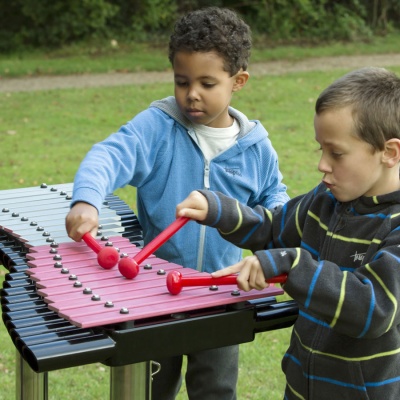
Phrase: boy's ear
(391, 154)
(241, 79)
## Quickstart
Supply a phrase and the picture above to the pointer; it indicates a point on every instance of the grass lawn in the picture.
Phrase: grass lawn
(44, 135)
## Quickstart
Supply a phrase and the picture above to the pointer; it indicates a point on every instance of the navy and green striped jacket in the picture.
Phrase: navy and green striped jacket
(343, 266)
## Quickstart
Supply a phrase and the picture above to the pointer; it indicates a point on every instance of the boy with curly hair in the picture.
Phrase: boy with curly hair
(339, 244)
(193, 139)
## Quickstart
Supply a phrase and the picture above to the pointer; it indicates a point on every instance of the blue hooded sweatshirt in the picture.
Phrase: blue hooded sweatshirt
(157, 152)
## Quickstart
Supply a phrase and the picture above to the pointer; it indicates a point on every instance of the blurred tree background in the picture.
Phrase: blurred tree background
(51, 23)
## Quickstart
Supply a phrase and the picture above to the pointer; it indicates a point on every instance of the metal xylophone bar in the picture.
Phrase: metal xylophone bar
(47, 341)
(52, 214)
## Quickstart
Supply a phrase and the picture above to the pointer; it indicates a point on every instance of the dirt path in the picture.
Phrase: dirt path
(270, 68)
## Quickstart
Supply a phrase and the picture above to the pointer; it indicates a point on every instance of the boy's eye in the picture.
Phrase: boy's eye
(333, 153)
(336, 154)
(208, 85)
(181, 83)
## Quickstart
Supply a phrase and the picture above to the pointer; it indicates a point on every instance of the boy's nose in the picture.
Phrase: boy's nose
(192, 94)
(323, 165)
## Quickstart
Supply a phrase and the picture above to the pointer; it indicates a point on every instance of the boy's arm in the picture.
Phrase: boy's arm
(322, 288)
(241, 225)
(105, 168)
(254, 228)
(332, 295)
(125, 157)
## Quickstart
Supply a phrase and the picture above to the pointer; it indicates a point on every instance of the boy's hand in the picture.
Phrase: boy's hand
(195, 206)
(82, 218)
(251, 275)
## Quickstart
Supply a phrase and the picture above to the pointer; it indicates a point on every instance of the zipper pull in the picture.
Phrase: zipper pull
(207, 175)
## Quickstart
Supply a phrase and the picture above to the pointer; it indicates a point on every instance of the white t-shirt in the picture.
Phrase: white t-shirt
(213, 141)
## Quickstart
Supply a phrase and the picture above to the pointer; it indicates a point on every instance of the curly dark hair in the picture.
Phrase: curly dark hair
(213, 29)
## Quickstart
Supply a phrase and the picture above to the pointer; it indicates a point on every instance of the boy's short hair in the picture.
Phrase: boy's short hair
(374, 96)
(213, 29)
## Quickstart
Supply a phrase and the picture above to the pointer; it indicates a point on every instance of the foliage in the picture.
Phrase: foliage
(136, 18)
(311, 20)
(52, 23)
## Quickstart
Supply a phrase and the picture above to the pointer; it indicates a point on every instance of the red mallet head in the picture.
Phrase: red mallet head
(174, 282)
(108, 257)
(128, 267)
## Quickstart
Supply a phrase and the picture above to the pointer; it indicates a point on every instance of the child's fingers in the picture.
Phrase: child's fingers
(233, 269)
(258, 281)
(81, 218)
(251, 275)
(195, 206)
(197, 215)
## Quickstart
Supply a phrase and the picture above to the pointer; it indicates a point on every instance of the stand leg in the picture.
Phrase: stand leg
(29, 384)
(130, 382)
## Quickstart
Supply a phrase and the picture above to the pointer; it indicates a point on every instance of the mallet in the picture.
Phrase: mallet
(129, 267)
(107, 256)
(175, 281)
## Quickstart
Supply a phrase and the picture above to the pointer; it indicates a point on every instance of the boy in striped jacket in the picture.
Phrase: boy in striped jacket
(339, 244)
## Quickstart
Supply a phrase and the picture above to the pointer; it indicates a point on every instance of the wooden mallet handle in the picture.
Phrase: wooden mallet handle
(159, 240)
(175, 281)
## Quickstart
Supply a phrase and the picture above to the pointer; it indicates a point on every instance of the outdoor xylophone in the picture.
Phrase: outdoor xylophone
(62, 309)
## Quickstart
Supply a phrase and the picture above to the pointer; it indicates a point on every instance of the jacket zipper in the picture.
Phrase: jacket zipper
(203, 227)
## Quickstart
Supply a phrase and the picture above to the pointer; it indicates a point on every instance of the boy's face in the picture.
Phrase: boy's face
(349, 165)
(203, 90)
